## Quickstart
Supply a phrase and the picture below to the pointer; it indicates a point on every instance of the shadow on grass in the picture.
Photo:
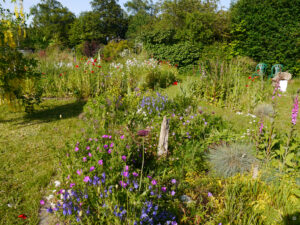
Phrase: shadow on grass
(57, 112)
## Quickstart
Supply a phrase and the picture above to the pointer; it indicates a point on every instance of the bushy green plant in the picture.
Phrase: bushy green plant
(113, 49)
(232, 159)
(182, 54)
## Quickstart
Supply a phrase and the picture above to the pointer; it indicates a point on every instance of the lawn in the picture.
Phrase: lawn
(29, 147)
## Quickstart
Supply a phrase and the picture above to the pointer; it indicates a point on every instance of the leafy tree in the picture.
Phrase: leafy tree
(141, 14)
(268, 31)
(194, 22)
(51, 22)
(18, 78)
(113, 20)
(87, 27)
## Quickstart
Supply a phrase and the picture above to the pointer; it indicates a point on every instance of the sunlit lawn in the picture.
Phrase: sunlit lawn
(28, 155)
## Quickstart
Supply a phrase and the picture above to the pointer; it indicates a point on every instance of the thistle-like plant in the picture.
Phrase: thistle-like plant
(228, 160)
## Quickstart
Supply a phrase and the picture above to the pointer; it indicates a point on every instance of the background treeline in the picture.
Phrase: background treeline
(180, 31)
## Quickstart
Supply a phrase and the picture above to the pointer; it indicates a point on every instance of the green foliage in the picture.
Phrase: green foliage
(267, 31)
(111, 17)
(249, 201)
(113, 49)
(19, 79)
(181, 54)
(159, 78)
(229, 160)
(87, 27)
(51, 23)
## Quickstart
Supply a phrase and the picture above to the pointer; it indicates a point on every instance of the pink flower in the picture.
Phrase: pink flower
(100, 162)
(88, 147)
(92, 168)
(76, 149)
(122, 137)
(109, 151)
(86, 179)
(173, 181)
(90, 155)
(173, 193)
(79, 172)
(153, 182)
(123, 184)
(84, 159)
(135, 174)
(42, 202)
(126, 168)
(164, 189)
(123, 158)
(72, 185)
(295, 111)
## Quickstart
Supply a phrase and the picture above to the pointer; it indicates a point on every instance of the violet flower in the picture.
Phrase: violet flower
(295, 111)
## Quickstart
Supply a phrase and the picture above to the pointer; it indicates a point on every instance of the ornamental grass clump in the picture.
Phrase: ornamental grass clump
(229, 160)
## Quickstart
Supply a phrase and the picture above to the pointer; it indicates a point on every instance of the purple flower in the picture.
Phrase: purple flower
(92, 168)
(180, 118)
(79, 172)
(125, 174)
(105, 146)
(183, 123)
(42, 202)
(153, 182)
(149, 177)
(143, 133)
(90, 139)
(173, 181)
(109, 151)
(295, 111)
(84, 159)
(209, 194)
(88, 147)
(100, 162)
(135, 174)
(205, 123)
(86, 179)
(261, 127)
(111, 145)
(72, 185)
(123, 158)
(173, 193)
(164, 189)
(126, 168)
(122, 137)
(123, 184)
(90, 155)
(76, 149)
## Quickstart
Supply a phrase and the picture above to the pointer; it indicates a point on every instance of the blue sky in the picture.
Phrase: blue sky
(77, 6)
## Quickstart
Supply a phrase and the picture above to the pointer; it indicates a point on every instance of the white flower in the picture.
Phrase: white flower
(49, 197)
(57, 183)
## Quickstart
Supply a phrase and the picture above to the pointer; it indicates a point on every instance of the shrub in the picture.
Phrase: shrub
(230, 160)
(113, 49)
(90, 48)
(182, 54)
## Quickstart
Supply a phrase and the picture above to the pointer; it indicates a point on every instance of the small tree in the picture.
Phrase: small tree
(17, 74)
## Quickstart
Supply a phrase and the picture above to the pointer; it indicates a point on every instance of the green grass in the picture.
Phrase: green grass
(28, 154)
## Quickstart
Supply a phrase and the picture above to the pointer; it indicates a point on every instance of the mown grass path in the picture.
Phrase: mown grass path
(28, 155)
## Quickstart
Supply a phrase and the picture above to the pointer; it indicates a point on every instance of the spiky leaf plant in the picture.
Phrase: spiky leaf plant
(228, 160)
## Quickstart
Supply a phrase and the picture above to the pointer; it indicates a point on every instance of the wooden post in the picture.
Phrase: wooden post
(163, 138)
